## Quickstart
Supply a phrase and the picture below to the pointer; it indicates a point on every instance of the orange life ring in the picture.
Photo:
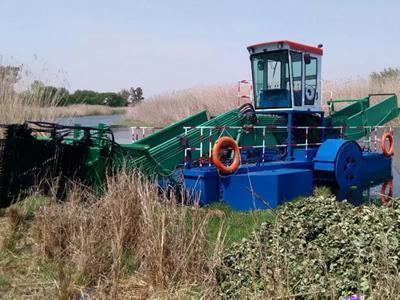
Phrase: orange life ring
(216, 156)
(386, 152)
(385, 198)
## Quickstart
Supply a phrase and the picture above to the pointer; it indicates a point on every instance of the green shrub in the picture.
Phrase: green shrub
(317, 247)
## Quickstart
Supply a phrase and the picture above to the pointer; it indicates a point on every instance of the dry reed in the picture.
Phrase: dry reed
(79, 110)
(358, 88)
(17, 106)
(132, 227)
(170, 107)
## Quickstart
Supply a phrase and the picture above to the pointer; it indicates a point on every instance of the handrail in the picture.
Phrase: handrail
(381, 94)
(135, 136)
(350, 100)
(264, 145)
(286, 127)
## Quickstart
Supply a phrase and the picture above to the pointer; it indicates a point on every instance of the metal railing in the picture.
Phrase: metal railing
(205, 131)
(138, 133)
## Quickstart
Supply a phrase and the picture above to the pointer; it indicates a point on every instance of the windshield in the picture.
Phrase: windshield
(271, 79)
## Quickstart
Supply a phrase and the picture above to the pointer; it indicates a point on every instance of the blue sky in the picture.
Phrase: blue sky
(170, 45)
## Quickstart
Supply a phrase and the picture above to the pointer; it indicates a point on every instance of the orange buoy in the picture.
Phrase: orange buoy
(224, 142)
(385, 151)
(385, 198)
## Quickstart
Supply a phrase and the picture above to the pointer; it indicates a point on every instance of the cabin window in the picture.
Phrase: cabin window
(271, 79)
(297, 70)
(311, 82)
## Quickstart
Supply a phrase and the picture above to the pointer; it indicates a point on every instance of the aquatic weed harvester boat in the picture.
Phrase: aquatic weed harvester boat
(253, 157)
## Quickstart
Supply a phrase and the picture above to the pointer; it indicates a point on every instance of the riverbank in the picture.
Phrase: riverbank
(17, 107)
(17, 113)
(80, 110)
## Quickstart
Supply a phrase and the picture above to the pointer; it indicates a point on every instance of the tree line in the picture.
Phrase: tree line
(10, 75)
(125, 97)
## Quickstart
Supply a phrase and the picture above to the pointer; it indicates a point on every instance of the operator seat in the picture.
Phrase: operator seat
(277, 98)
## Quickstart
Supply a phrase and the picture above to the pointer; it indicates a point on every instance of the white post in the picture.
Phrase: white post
(369, 140)
(263, 144)
(201, 146)
(306, 141)
(210, 148)
(186, 149)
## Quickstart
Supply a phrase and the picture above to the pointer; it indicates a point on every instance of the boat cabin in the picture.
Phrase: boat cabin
(286, 76)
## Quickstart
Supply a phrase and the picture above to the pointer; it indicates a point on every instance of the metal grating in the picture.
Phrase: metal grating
(2, 191)
(27, 162)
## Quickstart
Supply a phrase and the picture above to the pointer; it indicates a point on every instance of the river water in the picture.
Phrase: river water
(373, 193)
(122, 134)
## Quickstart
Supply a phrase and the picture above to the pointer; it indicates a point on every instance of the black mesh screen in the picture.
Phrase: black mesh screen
(3, 191)
(27, 162)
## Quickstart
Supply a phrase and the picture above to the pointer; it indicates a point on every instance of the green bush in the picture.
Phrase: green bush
(317, 247)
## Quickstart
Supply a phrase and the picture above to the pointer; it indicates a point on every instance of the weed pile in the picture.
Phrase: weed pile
(317, 247)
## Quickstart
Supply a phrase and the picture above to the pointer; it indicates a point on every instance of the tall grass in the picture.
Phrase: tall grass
(138, 243)
(358, 88)
(79, 110)
(170, 107)
(131, 230)
(17, 106)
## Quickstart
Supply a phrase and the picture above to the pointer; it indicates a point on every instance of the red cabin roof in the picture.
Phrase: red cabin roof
(292, 45)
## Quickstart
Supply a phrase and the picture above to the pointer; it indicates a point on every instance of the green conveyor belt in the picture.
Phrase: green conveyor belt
(141, 148)
(161, 152)
(163, 158)
(361, 113)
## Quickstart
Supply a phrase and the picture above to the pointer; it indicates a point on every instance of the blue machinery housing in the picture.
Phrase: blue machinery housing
(268, 185)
